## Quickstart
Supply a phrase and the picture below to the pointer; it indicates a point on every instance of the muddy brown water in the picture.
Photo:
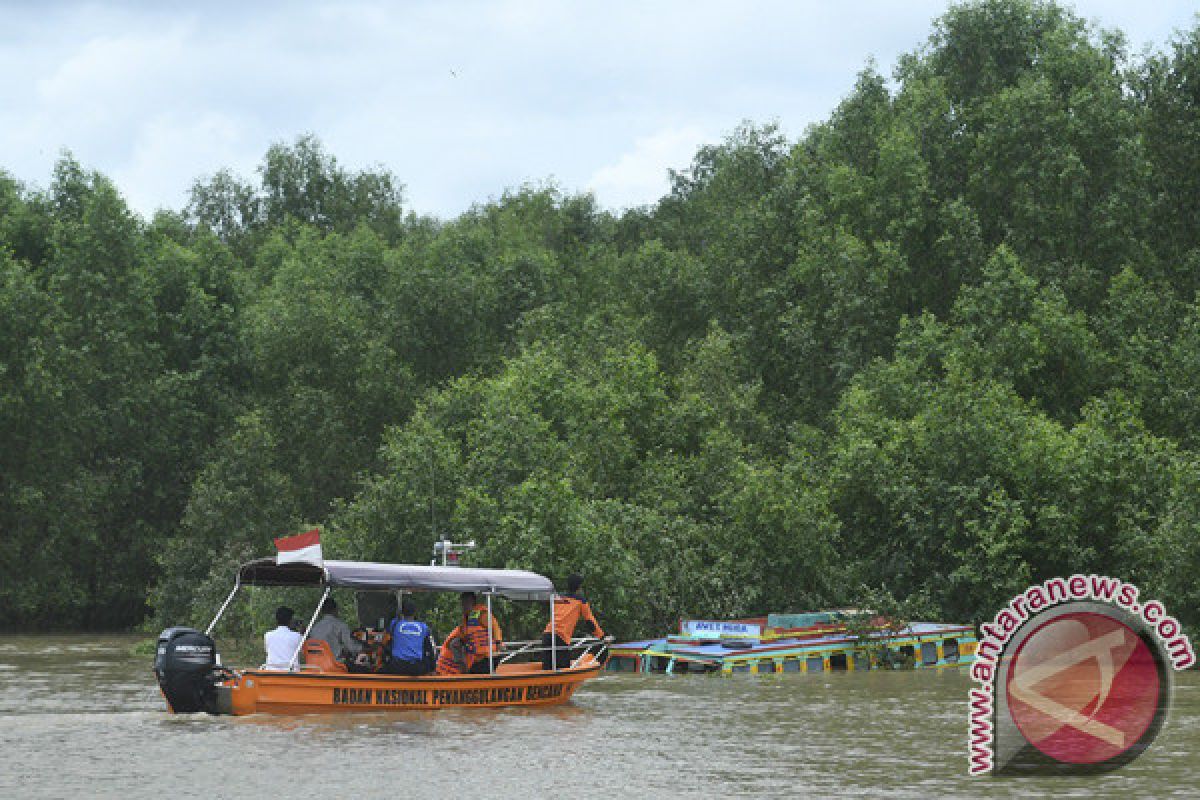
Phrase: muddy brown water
(82, 717)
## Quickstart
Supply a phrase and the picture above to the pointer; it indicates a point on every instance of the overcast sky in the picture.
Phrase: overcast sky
(459, 99)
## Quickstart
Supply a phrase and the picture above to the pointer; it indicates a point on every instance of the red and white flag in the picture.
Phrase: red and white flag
(303, 547)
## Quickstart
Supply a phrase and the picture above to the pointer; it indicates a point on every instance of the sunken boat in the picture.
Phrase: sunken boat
(821, 641)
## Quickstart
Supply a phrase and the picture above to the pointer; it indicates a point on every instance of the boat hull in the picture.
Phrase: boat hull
(305, 692)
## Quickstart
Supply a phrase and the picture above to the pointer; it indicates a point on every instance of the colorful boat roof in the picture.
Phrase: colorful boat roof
(716, 650)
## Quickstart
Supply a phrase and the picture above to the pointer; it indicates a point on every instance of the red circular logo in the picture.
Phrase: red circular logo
(1083, 688)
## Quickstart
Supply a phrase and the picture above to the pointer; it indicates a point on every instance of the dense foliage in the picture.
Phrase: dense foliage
(945, 344)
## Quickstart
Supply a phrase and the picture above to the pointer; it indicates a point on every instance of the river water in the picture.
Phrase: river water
(82, 717)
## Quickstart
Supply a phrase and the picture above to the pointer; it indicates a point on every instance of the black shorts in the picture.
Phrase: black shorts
(563, 655)
(484, 666)
(411, 668)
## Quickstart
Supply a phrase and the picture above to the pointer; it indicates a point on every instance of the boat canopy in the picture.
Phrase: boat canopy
(514, 584)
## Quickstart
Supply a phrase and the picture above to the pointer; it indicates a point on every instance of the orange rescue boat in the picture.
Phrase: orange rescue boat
(192, 679)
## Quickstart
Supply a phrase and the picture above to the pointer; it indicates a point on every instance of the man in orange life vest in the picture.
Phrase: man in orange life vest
(473, 634)
(452, 659)
(568, 608)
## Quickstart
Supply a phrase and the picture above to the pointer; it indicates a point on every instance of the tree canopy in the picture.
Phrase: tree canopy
(946, 343)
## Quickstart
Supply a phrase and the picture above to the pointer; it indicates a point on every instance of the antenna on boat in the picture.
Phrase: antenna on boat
(432, 495)
(444, 550)
(449, 553)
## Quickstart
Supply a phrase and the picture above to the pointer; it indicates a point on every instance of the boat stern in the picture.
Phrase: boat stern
(237, 695)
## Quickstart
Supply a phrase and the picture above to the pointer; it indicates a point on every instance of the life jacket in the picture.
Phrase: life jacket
(568, 608)
(474, 634)
(408, 639)
(447, 664)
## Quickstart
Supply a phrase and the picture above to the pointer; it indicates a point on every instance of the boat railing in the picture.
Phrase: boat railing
(572, 652)
(593, 645)
(515, 649)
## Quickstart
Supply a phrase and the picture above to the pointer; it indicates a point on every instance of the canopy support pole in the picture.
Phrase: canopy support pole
(491, 660)
(236, 585)
(553, 637)
(312, 621)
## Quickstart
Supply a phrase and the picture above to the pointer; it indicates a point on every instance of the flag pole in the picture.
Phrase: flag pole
(236, 585)
(312, 621)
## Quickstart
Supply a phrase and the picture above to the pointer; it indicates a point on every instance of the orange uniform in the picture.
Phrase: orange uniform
(448, 663)
(568, 608)
(473, 633)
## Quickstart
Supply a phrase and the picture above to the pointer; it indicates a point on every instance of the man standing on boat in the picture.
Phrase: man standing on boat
(473, 634)
(568, 608)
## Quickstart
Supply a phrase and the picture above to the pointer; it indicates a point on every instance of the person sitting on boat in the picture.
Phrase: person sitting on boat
(480, 649)
(568, 608)
(411, 650)
(330, 629)
(282, 642)
(453, 659)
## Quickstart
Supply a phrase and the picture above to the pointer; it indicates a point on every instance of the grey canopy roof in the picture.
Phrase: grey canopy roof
(514, 584)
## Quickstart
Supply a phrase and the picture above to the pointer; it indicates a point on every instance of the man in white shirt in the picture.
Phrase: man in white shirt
(282, 642)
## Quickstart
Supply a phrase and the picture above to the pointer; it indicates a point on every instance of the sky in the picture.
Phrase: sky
(460, 100)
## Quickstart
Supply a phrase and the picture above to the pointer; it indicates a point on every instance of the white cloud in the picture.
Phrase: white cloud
(639, 177)
(460, 99)
(108, 65)
(155, 170)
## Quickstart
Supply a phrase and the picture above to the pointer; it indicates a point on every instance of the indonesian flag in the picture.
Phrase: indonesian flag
(303, 548)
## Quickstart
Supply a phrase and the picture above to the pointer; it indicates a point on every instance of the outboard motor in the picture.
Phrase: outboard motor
(184, 665)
